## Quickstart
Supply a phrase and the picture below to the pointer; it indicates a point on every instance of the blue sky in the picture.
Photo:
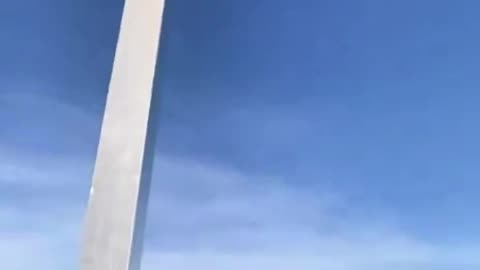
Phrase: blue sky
(300, 134)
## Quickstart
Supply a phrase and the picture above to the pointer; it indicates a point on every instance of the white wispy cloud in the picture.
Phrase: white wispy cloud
(204, 216)
(255, 222)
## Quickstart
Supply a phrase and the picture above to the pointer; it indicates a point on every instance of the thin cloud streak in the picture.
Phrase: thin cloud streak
(233, 225)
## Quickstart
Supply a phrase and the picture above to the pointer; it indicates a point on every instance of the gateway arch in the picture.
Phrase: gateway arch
(121, 181)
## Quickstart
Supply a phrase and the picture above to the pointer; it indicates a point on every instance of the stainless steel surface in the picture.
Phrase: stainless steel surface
(119, 193)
